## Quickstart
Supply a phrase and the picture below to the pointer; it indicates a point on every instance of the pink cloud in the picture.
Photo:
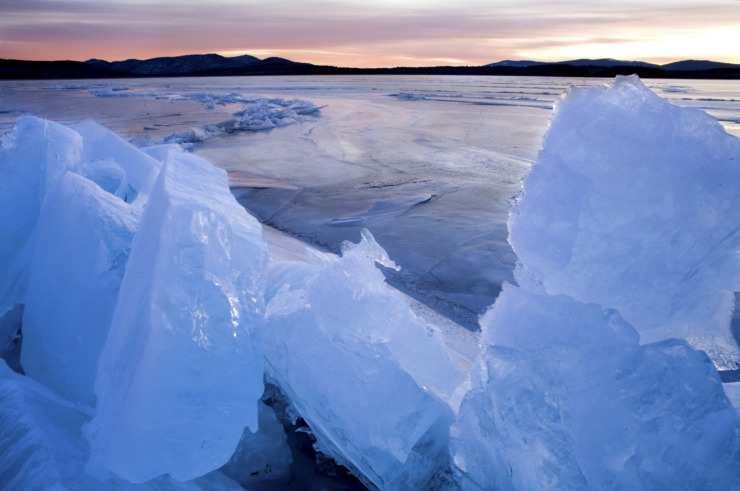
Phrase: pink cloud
(368, 36)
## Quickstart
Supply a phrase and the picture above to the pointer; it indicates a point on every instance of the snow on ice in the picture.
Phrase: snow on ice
(192, 291)
(152, 309)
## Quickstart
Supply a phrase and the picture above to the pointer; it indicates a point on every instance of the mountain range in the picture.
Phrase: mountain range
(686, 65)
(217, 65)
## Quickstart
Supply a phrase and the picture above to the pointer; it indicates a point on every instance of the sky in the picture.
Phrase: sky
(377, 33)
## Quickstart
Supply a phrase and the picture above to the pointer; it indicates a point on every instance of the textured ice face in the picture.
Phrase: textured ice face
(371, 379)
(632, 204)
(627, 206)
(565, 397)
(180, 374)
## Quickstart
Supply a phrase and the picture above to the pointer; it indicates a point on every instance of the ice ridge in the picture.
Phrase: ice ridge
(152, 313)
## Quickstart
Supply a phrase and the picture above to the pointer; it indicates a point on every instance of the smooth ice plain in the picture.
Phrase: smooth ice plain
(170, 342)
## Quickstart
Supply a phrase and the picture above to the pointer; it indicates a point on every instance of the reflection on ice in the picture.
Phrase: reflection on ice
(366, 147)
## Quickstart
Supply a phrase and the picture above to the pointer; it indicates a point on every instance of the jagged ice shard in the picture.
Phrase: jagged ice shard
(564, 397)
(629, 206)
(632, 204)
(180, 373)
(372, 380)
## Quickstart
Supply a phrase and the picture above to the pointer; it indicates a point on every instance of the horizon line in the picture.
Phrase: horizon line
(460, 65)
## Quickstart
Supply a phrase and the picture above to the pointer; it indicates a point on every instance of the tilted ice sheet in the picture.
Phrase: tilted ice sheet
(564, 397)
(83, 241)
(84, 235)
(180, 373)
(372, 380)
(632, 204)
(33, 157)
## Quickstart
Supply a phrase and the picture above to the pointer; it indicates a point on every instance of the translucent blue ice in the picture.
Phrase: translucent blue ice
(632, 204)
(180, 373)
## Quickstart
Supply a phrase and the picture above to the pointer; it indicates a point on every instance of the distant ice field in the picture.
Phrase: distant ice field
(428, 164)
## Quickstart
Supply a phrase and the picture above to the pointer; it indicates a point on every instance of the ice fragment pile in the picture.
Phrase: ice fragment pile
(180, 373)
(141, 303)
(139, 282)
(152, 310)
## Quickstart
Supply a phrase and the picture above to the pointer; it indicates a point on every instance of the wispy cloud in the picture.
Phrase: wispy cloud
(362, 33)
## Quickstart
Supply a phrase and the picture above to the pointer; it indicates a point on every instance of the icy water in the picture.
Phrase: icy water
(427, 163)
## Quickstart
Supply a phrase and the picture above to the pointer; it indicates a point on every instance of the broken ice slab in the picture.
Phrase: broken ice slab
(632, 204)
(373, 381)
(180, 373)
(41, 444)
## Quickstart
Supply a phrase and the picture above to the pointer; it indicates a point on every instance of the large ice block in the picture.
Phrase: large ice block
(372, 380)
(180, 373)
(564, 397)
(33, 157)
(83, 241)
(632, 204)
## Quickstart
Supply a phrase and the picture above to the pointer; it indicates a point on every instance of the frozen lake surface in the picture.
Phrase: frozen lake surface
(427, 163)
(140, 297)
